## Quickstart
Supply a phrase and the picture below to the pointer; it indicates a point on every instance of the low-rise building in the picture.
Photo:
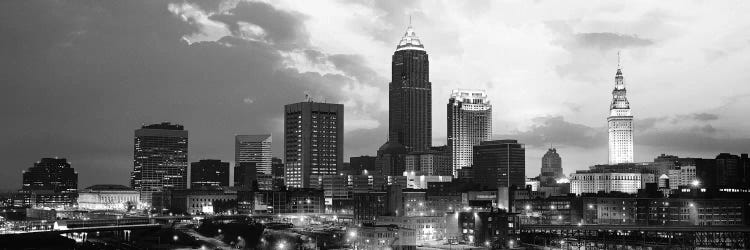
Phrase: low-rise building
(203, 201)
(427, 228)
(109, 197)
(594, 182)
(377, 237)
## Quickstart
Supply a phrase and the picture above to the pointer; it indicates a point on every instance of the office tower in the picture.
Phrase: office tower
(469, 123)
(551, 167)
(209, 173)
(253, 148)
(410, 95)
(620, 122)
(500, 163)
(313, 141)
(160, 159)
(360, 164)
(53, 174)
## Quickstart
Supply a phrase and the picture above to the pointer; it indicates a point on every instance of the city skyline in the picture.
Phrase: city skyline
(89, 97)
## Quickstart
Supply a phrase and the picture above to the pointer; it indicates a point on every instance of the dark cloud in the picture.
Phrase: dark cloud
(607, 40)
(557, 131)
(282, 28)
(82, 75)
(705, 117)
(689, 141)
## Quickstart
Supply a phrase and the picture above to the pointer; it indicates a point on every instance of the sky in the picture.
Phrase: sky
(78, 77)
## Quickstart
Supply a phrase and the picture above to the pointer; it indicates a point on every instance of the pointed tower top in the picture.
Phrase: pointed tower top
(410, 41)
(619, 67)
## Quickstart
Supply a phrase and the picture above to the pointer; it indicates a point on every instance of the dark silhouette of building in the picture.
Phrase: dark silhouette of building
(50, 182)
(361, 163)
(500, 163)
(160, 159)
(209, 173)
(391, 159)
(313, 142)
(551, 167)
(410, 95)
(277, 167)
(245, 175)
(53, 174)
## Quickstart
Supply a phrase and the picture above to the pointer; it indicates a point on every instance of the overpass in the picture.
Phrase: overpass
(655, 237)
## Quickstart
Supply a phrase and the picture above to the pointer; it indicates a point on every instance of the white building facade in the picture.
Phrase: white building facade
(620, 123)
(609, 182)
(469, 123)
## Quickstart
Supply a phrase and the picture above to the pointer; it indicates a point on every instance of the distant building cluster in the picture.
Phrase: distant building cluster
(471, 190)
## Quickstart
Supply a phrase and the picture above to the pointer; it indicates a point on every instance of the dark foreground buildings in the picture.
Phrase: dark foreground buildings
(500, 163)
(50, 182)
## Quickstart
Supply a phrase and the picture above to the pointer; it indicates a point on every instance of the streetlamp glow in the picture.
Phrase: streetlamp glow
(696, 183)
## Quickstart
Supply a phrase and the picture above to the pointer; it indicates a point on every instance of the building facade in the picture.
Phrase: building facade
(620, 123)
(209, 173)
(469, 123)
(109, 197)
(160, 159)
(410, 95)
(313, 141)
(255, 149)
(500, 163)
(51, 182)
(551, 167)
(360, 164)
(588, 182)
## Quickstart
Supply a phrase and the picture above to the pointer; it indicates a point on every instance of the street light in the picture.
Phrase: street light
(696, 183)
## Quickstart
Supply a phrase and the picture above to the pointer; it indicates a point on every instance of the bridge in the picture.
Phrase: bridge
(653, 237)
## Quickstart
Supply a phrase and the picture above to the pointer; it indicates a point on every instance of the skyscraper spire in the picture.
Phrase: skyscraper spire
(410, 41)
(620, 122)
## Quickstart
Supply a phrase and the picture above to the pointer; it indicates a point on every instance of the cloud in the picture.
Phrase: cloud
(282, 28)
(607, 41)
(557, 131)
(129, 65)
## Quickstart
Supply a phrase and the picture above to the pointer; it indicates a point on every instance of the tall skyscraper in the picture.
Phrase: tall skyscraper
(209, 173)
(410, 95)
(620, 122)
(160, 159)
(469, 123)
(313, 141)
(551, 167)
(255, 149)
(500, 163)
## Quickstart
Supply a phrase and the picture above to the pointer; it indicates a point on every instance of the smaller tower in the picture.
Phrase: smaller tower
(551, 167)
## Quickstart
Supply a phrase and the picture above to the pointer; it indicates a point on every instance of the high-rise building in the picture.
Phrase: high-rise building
(500, 163)
(551, 167)
(469, 123)
(209, 173)
(313, 141)
(410, 95)
(620, 123)
(254, 148)
(160, 159)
